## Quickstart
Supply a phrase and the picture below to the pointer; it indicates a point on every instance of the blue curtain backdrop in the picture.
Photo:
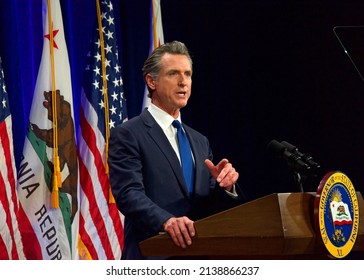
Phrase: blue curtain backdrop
(263, 70)
(22, 41)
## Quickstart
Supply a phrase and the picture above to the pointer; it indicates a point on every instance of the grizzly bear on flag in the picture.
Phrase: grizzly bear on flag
(67, 149)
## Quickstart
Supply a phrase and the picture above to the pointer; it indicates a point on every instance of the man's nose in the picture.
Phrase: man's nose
(182, 81)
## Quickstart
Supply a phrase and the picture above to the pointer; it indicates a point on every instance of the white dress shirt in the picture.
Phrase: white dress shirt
(165, 122)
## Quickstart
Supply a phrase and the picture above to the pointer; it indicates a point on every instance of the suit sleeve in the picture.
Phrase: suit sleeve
(127, 183)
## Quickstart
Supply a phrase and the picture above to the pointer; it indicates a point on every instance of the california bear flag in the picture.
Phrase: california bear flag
(340, 213)
(48, 174)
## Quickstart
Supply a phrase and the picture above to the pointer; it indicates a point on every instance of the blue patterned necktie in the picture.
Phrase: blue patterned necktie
(185, 155)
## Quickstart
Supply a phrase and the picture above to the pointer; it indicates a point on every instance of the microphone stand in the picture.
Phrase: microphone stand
(299, 180)
(305, 177)
(302, 165)
(299, 170)
(307, 171)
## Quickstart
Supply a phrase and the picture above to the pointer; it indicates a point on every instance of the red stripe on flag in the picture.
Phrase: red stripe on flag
(3, 253)
(5, 143)
(33, 250)
(9, 162)
(87, 240)
(86, 183)
(89, 136)
(8, 218)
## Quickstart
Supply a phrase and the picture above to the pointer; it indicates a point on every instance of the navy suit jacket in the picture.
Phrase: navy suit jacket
(148, 184)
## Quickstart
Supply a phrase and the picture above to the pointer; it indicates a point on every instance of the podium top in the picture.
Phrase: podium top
(275, 226)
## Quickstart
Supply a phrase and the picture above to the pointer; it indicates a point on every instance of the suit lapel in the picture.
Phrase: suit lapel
(160, 139)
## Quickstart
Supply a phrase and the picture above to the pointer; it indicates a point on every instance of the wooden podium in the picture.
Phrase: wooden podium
(277, 226)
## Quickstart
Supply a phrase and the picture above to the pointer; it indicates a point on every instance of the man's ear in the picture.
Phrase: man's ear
(150, 81)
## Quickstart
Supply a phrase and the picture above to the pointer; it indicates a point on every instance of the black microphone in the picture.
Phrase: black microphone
(294, 160)
(307, 158)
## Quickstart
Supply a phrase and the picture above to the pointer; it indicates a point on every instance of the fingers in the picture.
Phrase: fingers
(181, 230)
(224, 173)
(209, 164)
(222, 163)
(211, 167)
(215, 170)
(229, 179)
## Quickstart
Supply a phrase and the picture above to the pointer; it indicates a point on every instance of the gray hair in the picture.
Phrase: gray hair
(153, 65)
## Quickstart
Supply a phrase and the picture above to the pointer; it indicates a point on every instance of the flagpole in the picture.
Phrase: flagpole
(56, 165)
(155, 36)
(106, 96)
(104, 81)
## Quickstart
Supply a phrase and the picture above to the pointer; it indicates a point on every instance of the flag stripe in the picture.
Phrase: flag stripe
(7, 224)
(5, 233)
(87, 241)
(95, 214)
(29, 237)
(89, 142)
(7, 188)
(88, 135)
(11, 246)
(5, 128)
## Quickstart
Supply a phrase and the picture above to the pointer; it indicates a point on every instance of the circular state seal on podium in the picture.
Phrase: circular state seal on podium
(337, 213)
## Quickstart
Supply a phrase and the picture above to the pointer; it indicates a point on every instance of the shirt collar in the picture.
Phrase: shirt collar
(161, 117)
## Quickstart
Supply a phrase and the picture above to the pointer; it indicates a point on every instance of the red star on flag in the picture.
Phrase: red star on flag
(54, 35)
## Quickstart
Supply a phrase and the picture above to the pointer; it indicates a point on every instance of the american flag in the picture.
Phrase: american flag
(101, 224)
(10, 241)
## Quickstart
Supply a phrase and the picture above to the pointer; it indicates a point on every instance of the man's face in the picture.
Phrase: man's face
(173, 84)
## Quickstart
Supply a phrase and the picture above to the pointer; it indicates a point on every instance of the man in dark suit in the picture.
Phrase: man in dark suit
(146, 176)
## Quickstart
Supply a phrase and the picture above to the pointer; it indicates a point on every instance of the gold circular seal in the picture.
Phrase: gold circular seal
(337, 213)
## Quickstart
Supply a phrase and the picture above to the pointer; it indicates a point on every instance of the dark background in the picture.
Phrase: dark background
(263, 70)
(275, 70)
